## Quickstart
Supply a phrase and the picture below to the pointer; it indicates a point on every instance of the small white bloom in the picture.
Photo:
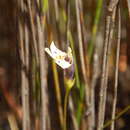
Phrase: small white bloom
(64, 60)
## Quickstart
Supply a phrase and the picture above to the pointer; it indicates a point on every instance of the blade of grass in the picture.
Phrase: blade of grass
(79, 16)
(95, 28)
(79, 111)
(80, 40)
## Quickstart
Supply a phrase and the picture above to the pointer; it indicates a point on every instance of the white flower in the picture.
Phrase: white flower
(64, 60)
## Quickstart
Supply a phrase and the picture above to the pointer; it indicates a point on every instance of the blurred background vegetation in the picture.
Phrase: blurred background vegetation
(37, 94)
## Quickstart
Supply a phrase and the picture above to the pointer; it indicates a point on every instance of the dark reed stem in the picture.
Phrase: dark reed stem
(92, 89)
(56, 10)
(26, 91)
(71, 107)
(128, 5)
(79, 15)
(33, 30)
(116, 69)
(24, 79)
(110, 18)
(43, 74)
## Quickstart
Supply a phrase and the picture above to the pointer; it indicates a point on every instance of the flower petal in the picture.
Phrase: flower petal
(60, 56)
(49, 52)
(55, 51)
(63, 64)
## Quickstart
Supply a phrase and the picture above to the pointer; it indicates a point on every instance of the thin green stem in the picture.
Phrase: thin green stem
(118, 115)
(65, 108)
(58, 93)
(80, 104)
